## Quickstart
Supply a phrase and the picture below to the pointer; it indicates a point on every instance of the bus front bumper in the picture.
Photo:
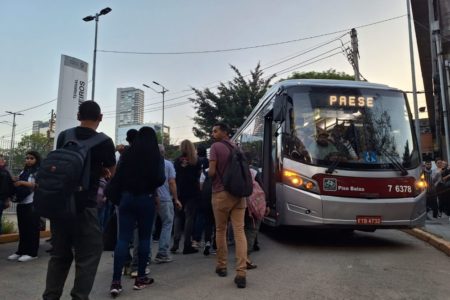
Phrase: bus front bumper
(300, 208)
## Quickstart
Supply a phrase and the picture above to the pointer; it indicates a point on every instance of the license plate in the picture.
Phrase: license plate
(368, 220)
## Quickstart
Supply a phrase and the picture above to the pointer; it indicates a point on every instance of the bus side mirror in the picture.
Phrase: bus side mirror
(280, 108)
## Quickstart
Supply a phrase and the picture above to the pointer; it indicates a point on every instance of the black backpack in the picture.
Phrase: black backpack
(62, 173)
(237, 179)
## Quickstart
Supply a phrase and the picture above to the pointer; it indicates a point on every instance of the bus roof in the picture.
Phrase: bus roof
(331, 82)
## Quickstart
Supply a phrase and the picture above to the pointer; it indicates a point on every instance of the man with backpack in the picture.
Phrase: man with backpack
(226, 202)
(81, 237)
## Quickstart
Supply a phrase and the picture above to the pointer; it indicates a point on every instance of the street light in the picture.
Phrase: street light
(163, 92)
(13, 133)
(88, 19)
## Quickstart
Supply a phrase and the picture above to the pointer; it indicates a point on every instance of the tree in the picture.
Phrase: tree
(232, 102)
(329, 74)
(37, 142)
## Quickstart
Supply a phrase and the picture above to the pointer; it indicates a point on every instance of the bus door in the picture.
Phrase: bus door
(271, 159)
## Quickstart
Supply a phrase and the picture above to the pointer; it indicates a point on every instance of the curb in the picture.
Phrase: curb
(14, 237)
(434, 240)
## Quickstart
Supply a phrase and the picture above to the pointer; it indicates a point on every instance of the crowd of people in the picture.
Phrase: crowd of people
(187, 196)
(438, 188)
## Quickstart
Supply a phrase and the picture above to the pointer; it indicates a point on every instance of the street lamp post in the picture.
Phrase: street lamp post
(163, 92)
(13, 133)
(88, 19)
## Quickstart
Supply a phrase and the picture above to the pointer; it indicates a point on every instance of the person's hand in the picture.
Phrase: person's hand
(106, 173)
(178, 204)
(18, 183)
(267, 212)
(120, 148)
(7, 204)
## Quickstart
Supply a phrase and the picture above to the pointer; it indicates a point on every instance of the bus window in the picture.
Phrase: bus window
(360, 128)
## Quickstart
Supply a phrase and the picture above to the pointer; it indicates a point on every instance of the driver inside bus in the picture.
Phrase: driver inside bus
(323, 148)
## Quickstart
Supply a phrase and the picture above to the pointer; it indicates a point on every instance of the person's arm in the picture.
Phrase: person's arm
(173, 191)
(212, 168)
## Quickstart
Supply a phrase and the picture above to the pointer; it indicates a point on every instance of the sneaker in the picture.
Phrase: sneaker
(189, 250)
(25, 258)
(195, 244)
(116, 289)
(14, 256)
(222, 272)
(142, 282)
(240, 281)
(250, 265)
(163, 259)
(134, 274)
(206, 250)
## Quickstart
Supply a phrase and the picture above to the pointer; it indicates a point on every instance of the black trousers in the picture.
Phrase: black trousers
(185, 217)
(80, 240)
(432, 204)
(28, 223)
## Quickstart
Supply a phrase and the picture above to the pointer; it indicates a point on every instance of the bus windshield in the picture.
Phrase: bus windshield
(351, 127)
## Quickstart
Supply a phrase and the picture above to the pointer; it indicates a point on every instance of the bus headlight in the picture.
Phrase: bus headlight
(298, 181)
(421, 184)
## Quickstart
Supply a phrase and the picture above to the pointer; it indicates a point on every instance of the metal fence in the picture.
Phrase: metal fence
(11, 209)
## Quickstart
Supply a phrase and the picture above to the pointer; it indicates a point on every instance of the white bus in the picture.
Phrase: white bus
(340, 154)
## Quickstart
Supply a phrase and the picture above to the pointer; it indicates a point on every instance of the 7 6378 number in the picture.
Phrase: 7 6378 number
(399, 188)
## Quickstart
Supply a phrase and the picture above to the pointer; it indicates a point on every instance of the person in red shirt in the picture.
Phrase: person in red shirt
(226, 206)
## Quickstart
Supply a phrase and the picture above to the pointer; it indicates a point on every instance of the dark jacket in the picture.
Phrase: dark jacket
(6, 185)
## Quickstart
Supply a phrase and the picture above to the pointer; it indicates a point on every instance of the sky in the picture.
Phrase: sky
(35, 34)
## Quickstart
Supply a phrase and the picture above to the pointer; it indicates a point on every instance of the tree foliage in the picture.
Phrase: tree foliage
(37, 142)
(232, 102)
(329, 74)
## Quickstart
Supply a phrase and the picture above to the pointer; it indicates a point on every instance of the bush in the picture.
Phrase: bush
(7, 226)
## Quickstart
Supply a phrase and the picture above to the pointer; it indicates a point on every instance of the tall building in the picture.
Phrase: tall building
(40, 127)
(129, 107)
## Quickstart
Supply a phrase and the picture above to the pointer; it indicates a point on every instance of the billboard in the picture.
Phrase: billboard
(72, 91)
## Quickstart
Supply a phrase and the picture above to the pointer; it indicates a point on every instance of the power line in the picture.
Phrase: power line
(278, 62)
(283, 71)
(248, 47)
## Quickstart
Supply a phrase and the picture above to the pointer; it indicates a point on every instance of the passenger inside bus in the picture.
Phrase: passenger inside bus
(340, 139)
(323, 148)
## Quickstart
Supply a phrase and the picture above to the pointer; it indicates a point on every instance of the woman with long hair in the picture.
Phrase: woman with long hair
(140, 172)
(27, 218)
(188, 169)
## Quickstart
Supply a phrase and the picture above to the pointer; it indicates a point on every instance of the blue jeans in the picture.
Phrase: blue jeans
(166, 214)
(134, 209)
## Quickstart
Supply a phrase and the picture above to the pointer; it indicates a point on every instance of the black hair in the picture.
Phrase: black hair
(223, 126)
(201, 151)
(142, 159)
(131, 135)
(89, 111)
(36, 155)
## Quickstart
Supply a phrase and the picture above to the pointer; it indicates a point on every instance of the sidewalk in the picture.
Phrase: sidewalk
(439, 227)
(435, 232)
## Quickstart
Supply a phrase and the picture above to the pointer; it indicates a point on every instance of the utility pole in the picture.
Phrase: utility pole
(13, 133)
(413, 76)
(437, 116)
(355, 54)
(51, 125)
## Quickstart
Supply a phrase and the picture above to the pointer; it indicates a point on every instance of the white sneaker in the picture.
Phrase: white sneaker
(25, 258)
(13, 256)
(134, 274)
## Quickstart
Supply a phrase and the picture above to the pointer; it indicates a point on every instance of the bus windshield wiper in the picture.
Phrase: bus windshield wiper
(334, 165)
(394, 161)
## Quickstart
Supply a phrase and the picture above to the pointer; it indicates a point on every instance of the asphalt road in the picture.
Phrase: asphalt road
(291, 265)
